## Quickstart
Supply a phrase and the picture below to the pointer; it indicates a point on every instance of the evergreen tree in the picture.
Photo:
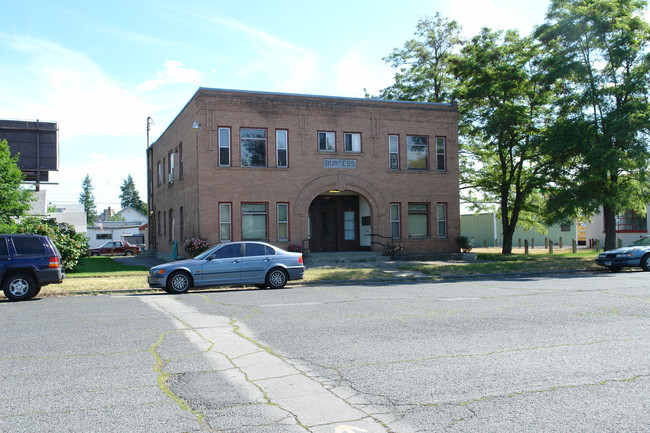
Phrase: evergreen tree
(131, 197)
(87, 198)
(14, 200)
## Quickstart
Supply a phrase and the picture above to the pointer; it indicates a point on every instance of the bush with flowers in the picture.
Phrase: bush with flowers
(295, 248)
(196, 245)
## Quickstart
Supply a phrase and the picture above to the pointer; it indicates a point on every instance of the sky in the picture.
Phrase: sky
(100, 69)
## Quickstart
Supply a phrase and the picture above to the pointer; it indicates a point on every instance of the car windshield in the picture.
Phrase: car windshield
(643, 242)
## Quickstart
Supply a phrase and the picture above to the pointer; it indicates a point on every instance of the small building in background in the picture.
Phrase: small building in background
(127, 225)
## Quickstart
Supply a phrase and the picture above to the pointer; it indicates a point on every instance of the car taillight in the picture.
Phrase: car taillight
(300, 260)
(54, 262)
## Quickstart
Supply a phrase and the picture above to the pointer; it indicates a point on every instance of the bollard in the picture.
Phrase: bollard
(597, 245)
(484, 243)
(526, 246)
(519, 242)
(560, 244)
(619, 242)
(550, 246)
(574, 246)
(532, 244)
(545, 242)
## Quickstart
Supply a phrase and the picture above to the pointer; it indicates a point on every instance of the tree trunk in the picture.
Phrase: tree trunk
(508, 232)
(610, 228)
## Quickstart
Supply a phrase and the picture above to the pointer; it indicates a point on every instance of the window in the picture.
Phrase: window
(417, 152)
(327, 141)
(253, 221)
(418, 220)
(170, 169)
(224, 147)
(171, 225)
(253, 250)
(393, 152)
(253, 147)
(281, 148)
(283, 221)
(442, 220)
(28, 245)
(4, 250)
(180, 161)
(441, 164)
(631, 222)
(182, 218)
(349, 226)
(228, 252)
(352, 142)
(159, 225)
(394, 221)
(159, 173)
(103, 236)
(225, 222)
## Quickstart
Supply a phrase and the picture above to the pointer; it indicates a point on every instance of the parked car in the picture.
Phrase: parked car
(27, 263)
(637, 254)
(115, 248)
(256, 263)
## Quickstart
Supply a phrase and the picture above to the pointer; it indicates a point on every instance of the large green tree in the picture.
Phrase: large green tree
(597, 53)
(504, 105)
(131, 197)
(423, 69)
(87, 198)
(14, 199)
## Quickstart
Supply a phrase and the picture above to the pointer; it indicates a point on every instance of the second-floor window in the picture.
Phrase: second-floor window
(253, 147)
(170, 168)
(224, 147)
(352, 142)
(417, 152)
(441, 163)
(281, 148)
(327, 141)
(393, 152)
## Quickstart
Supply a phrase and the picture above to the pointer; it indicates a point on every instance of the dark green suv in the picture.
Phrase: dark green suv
(27, 263)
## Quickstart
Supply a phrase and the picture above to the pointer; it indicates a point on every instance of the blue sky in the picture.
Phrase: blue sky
(100, 68)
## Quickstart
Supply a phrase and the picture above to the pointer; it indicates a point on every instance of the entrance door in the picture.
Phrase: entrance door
(335, 223)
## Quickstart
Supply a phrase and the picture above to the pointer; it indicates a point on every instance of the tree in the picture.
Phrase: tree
(14, 200)
(73, 246)
(504, 104)
(131, 197)
(423, 63)
(87, 198)
(597, 51)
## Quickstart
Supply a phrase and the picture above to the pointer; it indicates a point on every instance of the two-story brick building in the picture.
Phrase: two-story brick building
(320, 172)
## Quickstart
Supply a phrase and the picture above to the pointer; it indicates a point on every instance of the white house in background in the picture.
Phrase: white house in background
(133, 229)
(629, 227)
(71, 213)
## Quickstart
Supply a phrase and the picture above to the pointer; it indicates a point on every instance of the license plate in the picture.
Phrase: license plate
(608, 263)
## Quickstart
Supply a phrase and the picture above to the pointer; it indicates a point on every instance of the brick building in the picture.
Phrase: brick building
(320, 172)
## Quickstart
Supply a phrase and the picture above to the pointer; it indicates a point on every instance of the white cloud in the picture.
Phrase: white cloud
(354, 73)
(49, 82)
(173, 72)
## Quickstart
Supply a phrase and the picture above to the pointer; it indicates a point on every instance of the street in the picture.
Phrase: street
(563, 353)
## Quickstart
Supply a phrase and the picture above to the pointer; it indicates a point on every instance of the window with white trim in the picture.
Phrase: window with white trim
(225, 224)
(442, 220)
(254, 221)
(393, 152)
(224, 147)
(281, 148)
(327, 141)
(395, 221)
(352, 141)
(159, 173)
(170, 167)
(253, 147)
(441, 159)
(283, 221)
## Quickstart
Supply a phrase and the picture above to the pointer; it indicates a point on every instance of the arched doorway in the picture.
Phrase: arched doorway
(339, 221)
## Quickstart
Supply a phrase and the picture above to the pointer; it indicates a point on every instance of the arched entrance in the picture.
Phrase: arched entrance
(336, 223)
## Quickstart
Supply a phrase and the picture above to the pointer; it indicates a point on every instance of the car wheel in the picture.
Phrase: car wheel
(94, 254)
(615, 269)
(128, 253)
(178, 282)
(19, 287)
(277, 278)
(645, 262)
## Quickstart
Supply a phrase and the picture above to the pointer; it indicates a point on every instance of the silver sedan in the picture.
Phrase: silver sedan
(235, 263)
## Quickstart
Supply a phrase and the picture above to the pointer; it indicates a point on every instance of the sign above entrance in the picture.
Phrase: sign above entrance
(340, 163)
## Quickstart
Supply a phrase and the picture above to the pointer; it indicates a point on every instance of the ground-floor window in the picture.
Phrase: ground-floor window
(418, 220)
(631, 222)
(225, 223)
(394, 221)
(254, 221)
(442, 220)
(283, 221)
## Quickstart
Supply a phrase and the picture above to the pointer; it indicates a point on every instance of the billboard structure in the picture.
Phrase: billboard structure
(38, 145)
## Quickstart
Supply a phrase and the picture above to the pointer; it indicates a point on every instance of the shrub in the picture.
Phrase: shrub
(295, 248)
(465, 243)
(73, 246)
(196, 245)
